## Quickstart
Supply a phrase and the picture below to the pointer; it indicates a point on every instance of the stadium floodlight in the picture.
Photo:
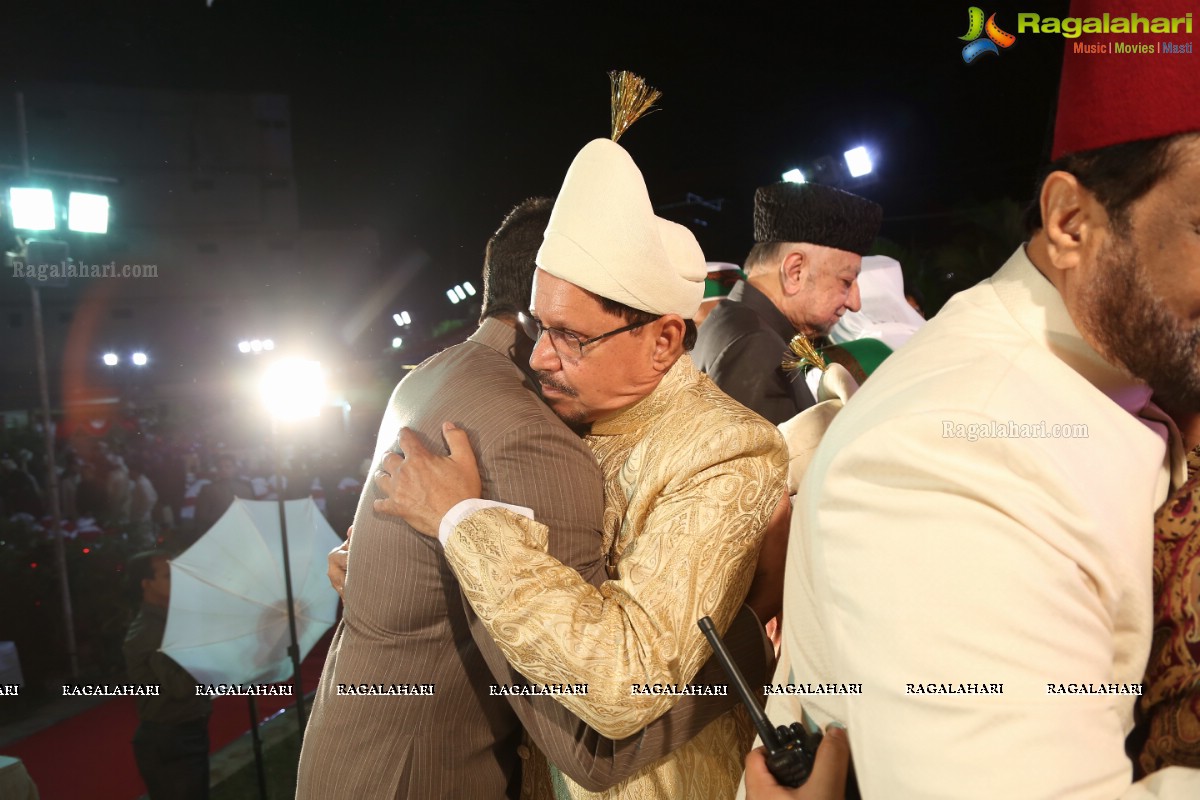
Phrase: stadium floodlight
(794, 176)
(462, 294)
(858, 161)
(268, 344)
(293, 389)
(397, 342)
(404, 316)
(453, 297)
(87, 213)
(111, 359)
(139, 359)
(470, 289)
(32, 209)
(256, 345)
(396, 318)
(244, 346)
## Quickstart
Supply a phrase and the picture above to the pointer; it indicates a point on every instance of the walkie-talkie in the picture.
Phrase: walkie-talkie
(790, 751)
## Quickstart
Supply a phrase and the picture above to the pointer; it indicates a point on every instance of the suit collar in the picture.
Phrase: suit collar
(753, 299)
(494, 334)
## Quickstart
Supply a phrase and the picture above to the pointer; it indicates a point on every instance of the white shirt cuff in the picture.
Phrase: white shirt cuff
(466, 508)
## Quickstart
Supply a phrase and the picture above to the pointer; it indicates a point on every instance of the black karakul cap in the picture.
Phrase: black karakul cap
(817, 214)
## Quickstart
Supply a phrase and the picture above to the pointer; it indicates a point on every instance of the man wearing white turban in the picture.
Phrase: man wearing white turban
(692, 479)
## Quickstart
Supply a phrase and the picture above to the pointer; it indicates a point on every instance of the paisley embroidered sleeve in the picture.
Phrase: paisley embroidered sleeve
(691, 549)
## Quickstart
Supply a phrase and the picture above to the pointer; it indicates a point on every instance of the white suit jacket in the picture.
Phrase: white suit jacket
(932, 559)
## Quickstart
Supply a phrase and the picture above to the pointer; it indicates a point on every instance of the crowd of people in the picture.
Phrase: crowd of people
(966, 550)
(167, 490)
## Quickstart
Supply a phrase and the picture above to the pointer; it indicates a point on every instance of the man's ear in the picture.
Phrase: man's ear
(669, 333)
(791, 271)
(1071, 216)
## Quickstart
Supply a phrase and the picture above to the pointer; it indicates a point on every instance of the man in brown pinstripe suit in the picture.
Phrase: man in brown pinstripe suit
(406, 623)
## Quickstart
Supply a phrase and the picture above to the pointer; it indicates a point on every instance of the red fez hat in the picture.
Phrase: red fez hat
(1109, 98)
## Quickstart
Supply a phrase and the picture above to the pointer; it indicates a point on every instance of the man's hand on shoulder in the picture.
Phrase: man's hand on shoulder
(828, 779)
(421, 487)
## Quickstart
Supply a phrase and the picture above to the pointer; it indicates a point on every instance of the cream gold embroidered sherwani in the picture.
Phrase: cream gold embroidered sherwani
(691, 479)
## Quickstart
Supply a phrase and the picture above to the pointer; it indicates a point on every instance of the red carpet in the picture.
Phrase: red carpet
(89, 755)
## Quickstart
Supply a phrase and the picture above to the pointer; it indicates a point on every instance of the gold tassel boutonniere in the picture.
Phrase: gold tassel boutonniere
(632, 99)
(802, 356)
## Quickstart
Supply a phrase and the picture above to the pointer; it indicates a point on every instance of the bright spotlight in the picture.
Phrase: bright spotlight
(268, 344)
(470, 289)
(396, 342)
(858, 161)
(256, 345)
(396, 318)
(110, 359)
(453, 297)
(87, 213)
(794, 176)
(244, 346)
(32, 209)
(139, 359)
(404, 316)
(293, 389)
(458, 290)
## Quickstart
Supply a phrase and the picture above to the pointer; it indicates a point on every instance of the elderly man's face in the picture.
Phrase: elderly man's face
(612, 373)
(1142, 303)
(828, 289)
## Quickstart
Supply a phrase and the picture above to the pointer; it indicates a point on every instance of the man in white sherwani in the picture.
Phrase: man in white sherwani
(968, 584)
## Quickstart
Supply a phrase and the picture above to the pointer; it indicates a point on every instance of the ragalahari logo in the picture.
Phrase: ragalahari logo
(976, 27)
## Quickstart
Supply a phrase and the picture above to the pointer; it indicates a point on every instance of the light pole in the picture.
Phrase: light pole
(83, 207)
(292, 389)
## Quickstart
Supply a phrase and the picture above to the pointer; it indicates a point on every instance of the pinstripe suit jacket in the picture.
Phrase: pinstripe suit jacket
(405, 620)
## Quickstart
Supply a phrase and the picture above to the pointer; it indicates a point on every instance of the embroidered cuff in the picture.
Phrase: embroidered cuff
(468, 507)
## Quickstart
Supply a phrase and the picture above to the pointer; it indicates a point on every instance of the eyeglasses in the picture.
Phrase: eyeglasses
(565, 342)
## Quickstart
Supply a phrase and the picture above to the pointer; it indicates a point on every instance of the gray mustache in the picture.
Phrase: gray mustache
(544, 379)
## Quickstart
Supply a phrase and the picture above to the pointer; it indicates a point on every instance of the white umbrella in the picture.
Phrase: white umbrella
(227, 621)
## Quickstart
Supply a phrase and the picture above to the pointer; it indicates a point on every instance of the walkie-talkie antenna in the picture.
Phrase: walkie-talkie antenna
(765, 731)
(791, 751)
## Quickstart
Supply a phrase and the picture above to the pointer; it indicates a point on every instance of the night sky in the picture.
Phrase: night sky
(428, 121)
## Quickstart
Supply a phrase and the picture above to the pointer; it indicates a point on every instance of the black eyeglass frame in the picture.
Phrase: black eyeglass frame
(534, 329)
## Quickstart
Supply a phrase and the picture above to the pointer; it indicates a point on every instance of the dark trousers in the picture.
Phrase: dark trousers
(173, 759)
